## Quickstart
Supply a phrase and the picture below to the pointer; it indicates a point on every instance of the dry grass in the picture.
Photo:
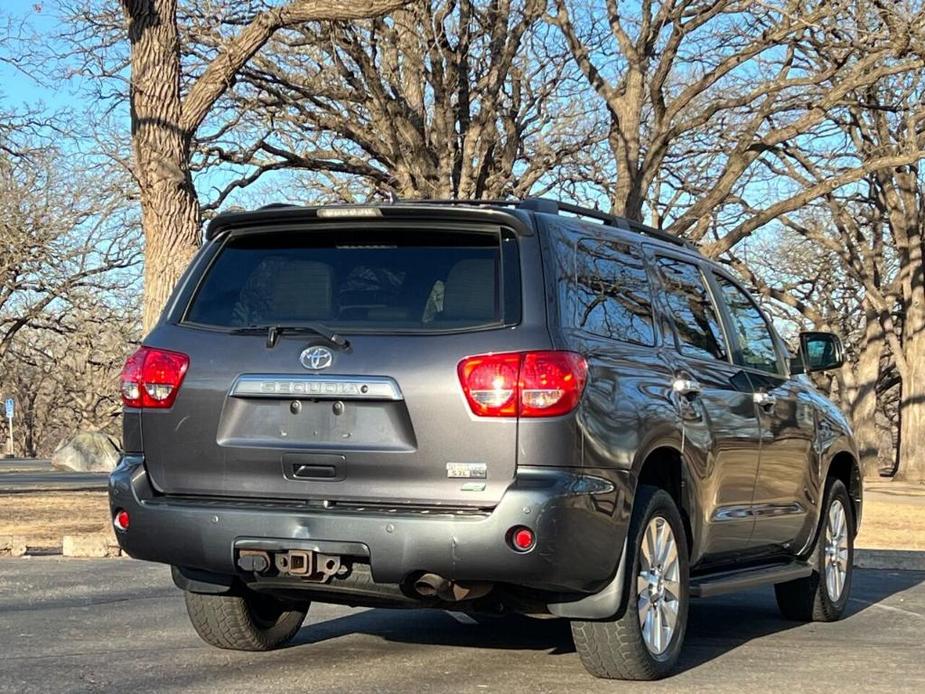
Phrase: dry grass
(894, 516)
(43, 518)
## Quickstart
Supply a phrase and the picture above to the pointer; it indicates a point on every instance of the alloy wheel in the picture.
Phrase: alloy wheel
(658, 585)
(836, 550)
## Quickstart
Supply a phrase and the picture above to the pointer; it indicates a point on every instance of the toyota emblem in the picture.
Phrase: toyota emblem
(316, 358)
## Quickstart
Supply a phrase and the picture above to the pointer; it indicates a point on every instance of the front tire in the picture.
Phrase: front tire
(644, 641)
(823, 595)
(248, 621)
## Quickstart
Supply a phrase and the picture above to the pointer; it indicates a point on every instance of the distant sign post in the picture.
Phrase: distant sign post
(10, 407)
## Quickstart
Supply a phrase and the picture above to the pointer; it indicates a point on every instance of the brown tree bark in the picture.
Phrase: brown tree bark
(912, 396)
(164, 123)
(860, 396)
(912, 414)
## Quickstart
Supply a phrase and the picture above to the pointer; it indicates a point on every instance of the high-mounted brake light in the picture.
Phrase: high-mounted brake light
(342, 211)
(525, 384)
(152, 378)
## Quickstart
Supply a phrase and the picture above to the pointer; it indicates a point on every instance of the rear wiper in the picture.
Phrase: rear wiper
(274, 331)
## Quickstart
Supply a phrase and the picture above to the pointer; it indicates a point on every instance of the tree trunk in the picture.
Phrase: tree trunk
(911, 466)
(861, 395)
(170, 216)
(169, 207)
(625, 139)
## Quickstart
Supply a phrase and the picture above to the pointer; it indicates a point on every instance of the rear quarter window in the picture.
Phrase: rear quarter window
(361, 279)
(603, 288)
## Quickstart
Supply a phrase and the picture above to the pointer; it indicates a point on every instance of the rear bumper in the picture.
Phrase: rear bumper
(579, 533)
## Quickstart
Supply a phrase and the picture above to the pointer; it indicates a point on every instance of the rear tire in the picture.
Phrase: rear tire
(618, 648)
(823, 595)
(248, 621)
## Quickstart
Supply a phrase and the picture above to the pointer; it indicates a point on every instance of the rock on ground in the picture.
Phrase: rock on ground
(12, 546)
(88, 451)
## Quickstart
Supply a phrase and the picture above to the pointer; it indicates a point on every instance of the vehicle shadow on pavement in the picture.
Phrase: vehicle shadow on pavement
(716, 625)
(719, 625)
(439, 628)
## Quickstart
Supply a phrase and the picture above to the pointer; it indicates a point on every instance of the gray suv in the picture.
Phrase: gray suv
(491, 407)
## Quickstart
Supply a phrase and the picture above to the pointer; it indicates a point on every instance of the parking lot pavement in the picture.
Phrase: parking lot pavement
(120, 625)
(19, 475)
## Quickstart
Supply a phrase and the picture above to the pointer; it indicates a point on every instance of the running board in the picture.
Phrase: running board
(743, 579)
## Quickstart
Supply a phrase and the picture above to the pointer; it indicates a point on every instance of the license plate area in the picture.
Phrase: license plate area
(344, 424)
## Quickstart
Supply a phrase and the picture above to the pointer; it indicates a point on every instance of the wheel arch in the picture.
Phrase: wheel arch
(663, 466)
(843, 465)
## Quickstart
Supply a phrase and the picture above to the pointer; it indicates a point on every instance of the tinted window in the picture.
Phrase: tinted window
(755, 341)
(604, 290)
(695, 319)
(358, 278)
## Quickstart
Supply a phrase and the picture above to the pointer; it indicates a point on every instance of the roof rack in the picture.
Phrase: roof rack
(549, 206)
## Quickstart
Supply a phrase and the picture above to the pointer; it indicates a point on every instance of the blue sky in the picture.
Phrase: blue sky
(17, 89)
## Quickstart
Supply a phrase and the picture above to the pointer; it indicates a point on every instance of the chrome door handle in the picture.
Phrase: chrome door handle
(687, 387)
(765, 401)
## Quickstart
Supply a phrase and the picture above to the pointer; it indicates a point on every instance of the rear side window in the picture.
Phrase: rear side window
(604, 290)
(696, 322)
(376, 279)
(756, 344)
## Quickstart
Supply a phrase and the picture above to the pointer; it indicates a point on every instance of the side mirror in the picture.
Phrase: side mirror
(821, 351)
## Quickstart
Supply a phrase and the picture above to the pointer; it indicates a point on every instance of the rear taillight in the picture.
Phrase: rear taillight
(525, 384)
(152, 377)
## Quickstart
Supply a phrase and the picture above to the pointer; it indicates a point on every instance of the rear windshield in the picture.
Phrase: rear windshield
(362, 279)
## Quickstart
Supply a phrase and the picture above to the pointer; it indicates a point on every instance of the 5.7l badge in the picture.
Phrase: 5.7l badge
(467, 471)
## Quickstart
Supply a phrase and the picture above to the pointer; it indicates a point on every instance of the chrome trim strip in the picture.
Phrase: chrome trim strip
(310, 387)
(759, 511)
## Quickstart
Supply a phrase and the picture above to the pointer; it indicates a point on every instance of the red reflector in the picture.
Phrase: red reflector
(152, 377)
(121, 520)
(526, 384)
(522, 539)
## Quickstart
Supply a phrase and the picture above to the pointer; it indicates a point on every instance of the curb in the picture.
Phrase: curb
(90, 545)
(889, 559)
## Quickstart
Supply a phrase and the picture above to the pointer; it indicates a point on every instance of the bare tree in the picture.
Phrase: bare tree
(67, 380)
(873, 234)
(62, 233)
(166, 118)
(70, 261)
(807, 284)
(700, 92)
(446, 99)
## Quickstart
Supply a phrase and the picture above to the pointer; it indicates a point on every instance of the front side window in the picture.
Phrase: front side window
(756, 344)
(361, 279)
(695, 318)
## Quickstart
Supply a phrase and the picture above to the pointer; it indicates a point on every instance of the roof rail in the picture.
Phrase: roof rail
(547, 206)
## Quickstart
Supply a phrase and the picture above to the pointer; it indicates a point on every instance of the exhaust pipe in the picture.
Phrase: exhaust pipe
(430, 585)
(434, 586)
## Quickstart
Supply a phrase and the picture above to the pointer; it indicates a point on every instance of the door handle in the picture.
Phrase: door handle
(687, 387)
(765, 401)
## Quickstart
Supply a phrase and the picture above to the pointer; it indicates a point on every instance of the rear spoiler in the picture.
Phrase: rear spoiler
(443, 210)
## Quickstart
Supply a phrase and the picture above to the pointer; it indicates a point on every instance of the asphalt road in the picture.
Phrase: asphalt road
(120, 625)
(24, 464)
(34, 475)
